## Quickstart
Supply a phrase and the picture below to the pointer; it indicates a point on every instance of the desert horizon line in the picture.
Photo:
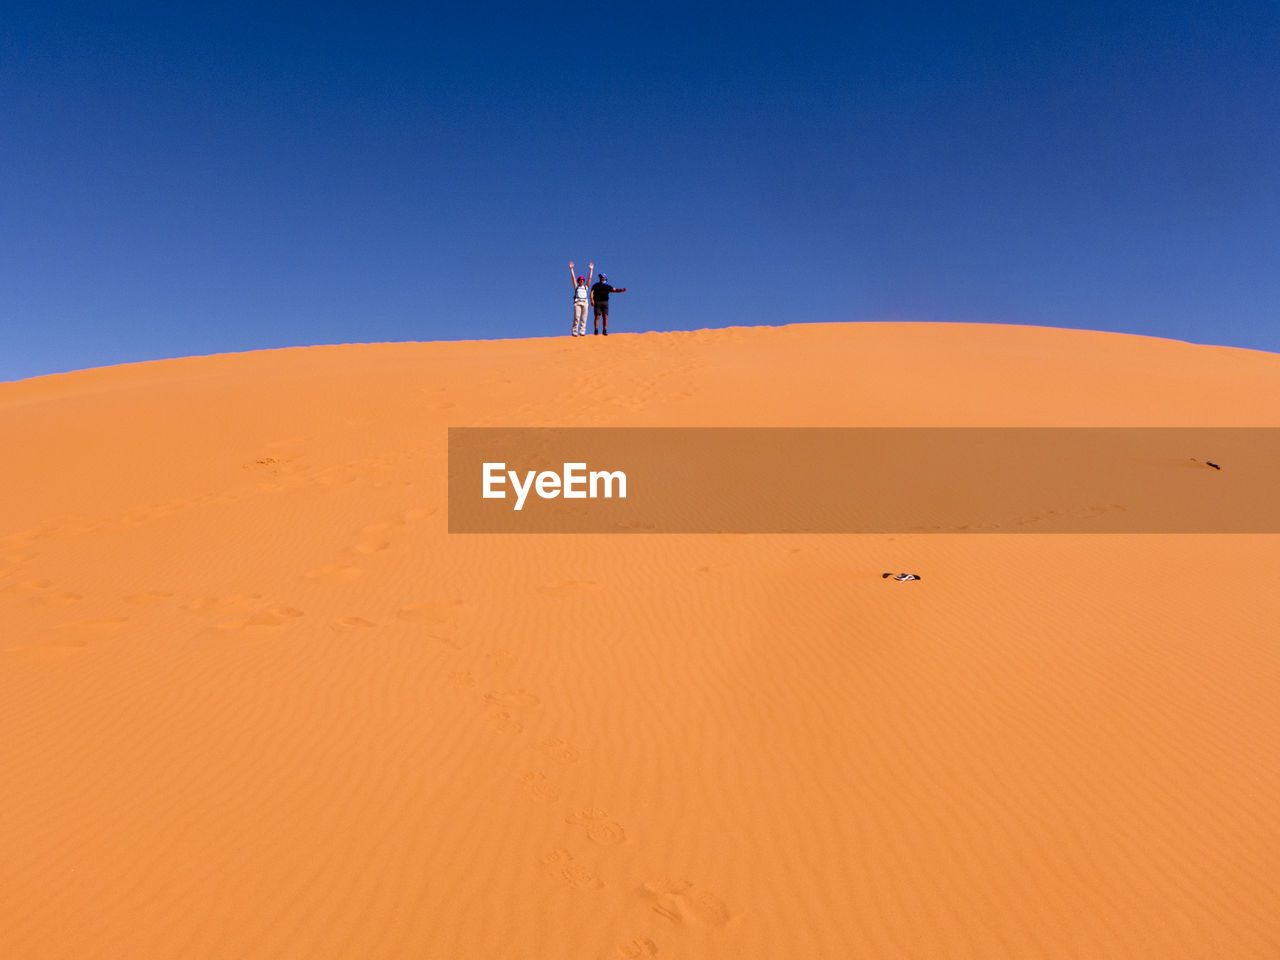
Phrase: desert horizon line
(637, 333)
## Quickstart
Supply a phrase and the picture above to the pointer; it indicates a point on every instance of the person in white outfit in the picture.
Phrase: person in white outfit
(581, 299)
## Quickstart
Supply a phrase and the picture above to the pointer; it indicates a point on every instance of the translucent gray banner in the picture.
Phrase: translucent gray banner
(864, 480)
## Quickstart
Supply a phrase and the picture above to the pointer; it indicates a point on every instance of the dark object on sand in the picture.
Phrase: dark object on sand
(902, 577)
(1212, 464)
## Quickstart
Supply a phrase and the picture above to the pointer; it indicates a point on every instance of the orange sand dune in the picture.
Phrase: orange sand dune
(257, 703)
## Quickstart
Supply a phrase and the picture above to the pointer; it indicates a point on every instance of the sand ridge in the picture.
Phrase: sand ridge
(258, 702)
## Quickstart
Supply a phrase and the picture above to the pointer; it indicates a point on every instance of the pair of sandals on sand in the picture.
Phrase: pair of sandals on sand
(901, 577)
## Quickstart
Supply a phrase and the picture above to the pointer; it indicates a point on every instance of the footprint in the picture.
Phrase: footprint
(433, 612)
(462, 678)
(99, 625)
(600, 828)
(539, 787)
(678, 900)
(40, 590)
(561, 865)
(503, 722)
(635, 948)
(370, 546)
(417, 513)
(558, 750)
(150, 597)
(347, 624)
(264, 618)
(217, 606)
(440, 618)
(48, 650)
(275, 616)
(335, 573)
(512, 699)
(331, 478)
(707, 908)
(500, 659)
(286, 442)
(570, 586)
(664, 886)
(28, 587)
(665, 897)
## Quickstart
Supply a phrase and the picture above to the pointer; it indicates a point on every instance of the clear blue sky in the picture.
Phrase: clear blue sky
(195, 178)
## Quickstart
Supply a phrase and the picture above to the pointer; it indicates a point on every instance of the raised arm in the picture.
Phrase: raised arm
(591, 272)
(573, 277)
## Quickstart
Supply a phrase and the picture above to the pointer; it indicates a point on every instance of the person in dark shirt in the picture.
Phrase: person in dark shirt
(600, 301)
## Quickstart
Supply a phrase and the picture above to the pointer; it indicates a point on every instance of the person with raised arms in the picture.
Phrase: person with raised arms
(581, 297)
